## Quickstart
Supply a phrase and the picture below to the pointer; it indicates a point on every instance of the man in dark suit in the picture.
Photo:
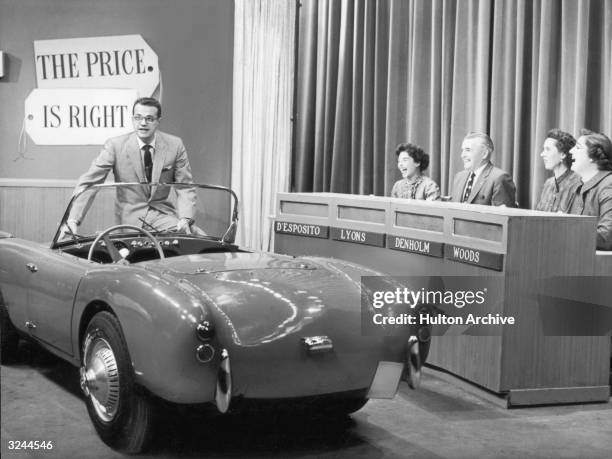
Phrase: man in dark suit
(481, 182)
(144, 155)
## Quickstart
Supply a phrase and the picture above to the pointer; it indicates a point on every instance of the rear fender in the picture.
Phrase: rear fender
(158, 319)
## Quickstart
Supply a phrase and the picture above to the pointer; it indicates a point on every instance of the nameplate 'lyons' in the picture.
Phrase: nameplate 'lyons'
(358, 237)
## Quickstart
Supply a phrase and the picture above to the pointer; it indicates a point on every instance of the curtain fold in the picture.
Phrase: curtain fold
(262, 109)
(381, 72)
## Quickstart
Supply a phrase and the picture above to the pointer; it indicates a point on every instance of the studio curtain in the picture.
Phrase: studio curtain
(373, 73)
(262, 105)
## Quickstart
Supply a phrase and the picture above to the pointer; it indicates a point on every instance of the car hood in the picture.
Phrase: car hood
(232, 261)
(258, 298)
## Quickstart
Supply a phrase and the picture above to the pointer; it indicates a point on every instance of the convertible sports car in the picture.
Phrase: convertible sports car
(149, 314)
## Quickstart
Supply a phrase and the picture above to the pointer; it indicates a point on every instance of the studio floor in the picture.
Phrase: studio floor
(41, 400)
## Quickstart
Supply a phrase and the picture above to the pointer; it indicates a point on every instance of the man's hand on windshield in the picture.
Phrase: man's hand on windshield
(184, 225)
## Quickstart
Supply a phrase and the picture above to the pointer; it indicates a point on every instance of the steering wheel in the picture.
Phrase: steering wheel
(112, 250)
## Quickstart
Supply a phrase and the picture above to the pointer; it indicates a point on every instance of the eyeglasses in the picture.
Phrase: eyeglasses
(147, 119)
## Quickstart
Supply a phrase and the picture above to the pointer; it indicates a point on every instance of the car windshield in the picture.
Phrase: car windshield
(154, 207)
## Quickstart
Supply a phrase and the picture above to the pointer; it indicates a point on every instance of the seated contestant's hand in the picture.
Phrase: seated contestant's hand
(184, 225)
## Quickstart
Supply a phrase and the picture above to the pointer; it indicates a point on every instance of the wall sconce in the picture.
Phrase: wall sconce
(1, 64)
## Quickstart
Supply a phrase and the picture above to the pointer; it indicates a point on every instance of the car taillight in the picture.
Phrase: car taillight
(205, 331)
(205, 353)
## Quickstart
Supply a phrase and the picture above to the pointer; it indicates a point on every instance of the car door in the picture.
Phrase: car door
(14, 280)
(54, 280)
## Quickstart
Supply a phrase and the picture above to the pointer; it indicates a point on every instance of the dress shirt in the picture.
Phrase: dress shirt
(476, 173)
(141, 144)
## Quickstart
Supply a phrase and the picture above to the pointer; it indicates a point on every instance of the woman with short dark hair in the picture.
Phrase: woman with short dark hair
(593, 163)
(412, 161)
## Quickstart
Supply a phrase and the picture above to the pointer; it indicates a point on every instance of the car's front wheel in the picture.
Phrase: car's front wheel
(122, 417)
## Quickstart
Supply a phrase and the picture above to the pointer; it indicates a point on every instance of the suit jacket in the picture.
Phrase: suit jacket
(494, 187)
(122, 156)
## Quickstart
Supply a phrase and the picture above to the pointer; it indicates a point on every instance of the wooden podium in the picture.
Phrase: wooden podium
(522, 247)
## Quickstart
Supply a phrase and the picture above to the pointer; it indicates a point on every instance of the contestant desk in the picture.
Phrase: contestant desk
(420, 238)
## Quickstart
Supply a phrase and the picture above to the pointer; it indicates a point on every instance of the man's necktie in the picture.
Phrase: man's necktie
(148, 162)
(468, 188)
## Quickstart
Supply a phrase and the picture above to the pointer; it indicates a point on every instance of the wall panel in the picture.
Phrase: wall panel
(194, 42)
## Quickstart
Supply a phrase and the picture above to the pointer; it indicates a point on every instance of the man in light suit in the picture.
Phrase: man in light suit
(144, 155)
(481, 182)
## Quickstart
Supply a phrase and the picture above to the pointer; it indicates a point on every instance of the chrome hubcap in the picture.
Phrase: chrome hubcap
(99, 377)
